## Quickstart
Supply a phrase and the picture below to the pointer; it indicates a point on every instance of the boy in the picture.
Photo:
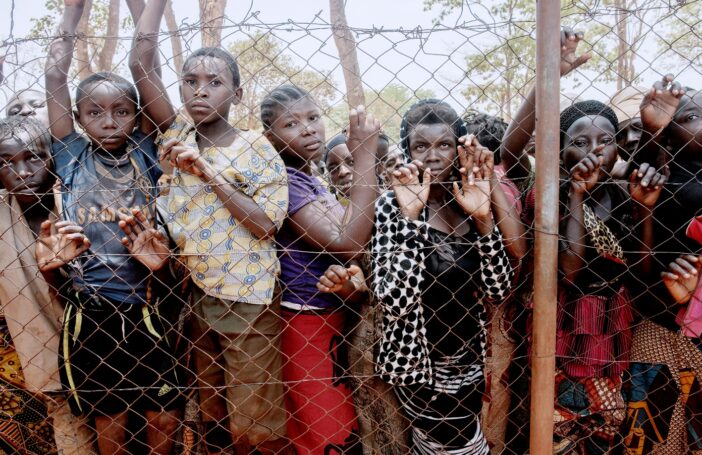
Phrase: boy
(228, 197)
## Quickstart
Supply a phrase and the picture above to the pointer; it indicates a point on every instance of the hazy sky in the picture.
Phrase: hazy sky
(435, 61)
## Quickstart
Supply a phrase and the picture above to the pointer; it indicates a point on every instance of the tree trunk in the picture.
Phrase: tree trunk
(621, 17)
(176, 42)
(85, 67)
(211, 20)
(346, 46)
(110, 47)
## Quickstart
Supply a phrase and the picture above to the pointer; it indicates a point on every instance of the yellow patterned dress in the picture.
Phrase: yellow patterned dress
(24, 427)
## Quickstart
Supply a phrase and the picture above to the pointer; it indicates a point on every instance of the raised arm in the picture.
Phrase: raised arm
(657, 111)
(58, 97)
(143, 65)
(645, 186)
(347, 239)
(518, 134)
(583, 178)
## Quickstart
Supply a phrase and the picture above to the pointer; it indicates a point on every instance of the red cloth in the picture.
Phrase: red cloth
(594, 334)
(322, 413)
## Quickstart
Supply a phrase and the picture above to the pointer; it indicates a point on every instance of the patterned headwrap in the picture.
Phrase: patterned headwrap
(459, 126)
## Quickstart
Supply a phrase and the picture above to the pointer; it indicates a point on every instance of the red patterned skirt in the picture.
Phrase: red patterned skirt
(594, 334)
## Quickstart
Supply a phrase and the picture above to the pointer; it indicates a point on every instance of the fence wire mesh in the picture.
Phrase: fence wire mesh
(206, 250)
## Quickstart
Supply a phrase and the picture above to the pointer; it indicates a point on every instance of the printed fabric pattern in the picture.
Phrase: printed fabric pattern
(224, 258)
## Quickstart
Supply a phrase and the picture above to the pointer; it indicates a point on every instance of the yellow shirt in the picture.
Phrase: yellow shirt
(225, 260)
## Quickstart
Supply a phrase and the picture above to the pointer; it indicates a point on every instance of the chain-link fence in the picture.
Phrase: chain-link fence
(209, 247)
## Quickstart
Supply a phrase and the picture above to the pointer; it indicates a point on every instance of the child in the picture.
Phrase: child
(317, 233)
(389, 162)
(437, 249)
(29, 102)
(227, 199)
(382, 425)
(626, 104)
(594, 311)
(31, 314)
(339, 164)
(113, 354)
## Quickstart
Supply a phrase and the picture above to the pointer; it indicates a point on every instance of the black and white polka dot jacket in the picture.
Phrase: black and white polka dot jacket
(399, 249)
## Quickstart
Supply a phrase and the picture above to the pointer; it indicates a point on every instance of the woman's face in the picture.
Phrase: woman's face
(392, 162)
(685, 131)
(340, 167)
(435, 146)
(298, 131)
(584, 136)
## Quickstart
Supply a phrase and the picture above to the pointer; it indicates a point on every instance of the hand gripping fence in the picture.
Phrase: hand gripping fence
(330, 228)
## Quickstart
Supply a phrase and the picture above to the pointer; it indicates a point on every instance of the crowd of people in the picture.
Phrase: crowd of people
(286, 293)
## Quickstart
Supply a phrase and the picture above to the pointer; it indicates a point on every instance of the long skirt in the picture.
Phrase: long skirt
(24, 426)
(322, 415)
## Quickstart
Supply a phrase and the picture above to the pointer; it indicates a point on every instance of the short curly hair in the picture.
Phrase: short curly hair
(488, 129)
(430, 111)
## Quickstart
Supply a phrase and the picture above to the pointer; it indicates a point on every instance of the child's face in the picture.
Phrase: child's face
(435, 146)
(298, 131)
(629, 136)
(207, 89)
(107, 115)
(392, 162)
(25, 168)
(340, 166)
(29, 102)
(584, 136)
(685, 133)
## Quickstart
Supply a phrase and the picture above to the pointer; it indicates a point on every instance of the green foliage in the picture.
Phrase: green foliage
(679, 39)
(264, 66)
(501, 68)
(46, 25)
(388, 106)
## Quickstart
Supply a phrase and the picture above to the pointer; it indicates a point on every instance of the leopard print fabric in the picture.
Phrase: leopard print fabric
(400, 247)
(602, 238)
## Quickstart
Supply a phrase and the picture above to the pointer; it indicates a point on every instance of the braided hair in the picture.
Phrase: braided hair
(430, 111)
(583, 109)
(277, 99)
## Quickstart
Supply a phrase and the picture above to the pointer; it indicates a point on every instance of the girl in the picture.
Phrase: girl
(437, 250)
(382, 425)
(30, 317)
(594, 310)
(317, 233)
(113, 354)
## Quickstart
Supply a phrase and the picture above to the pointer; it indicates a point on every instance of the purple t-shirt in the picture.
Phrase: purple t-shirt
(301, 264)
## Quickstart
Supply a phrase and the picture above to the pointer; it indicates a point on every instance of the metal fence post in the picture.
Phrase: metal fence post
(548, 20)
